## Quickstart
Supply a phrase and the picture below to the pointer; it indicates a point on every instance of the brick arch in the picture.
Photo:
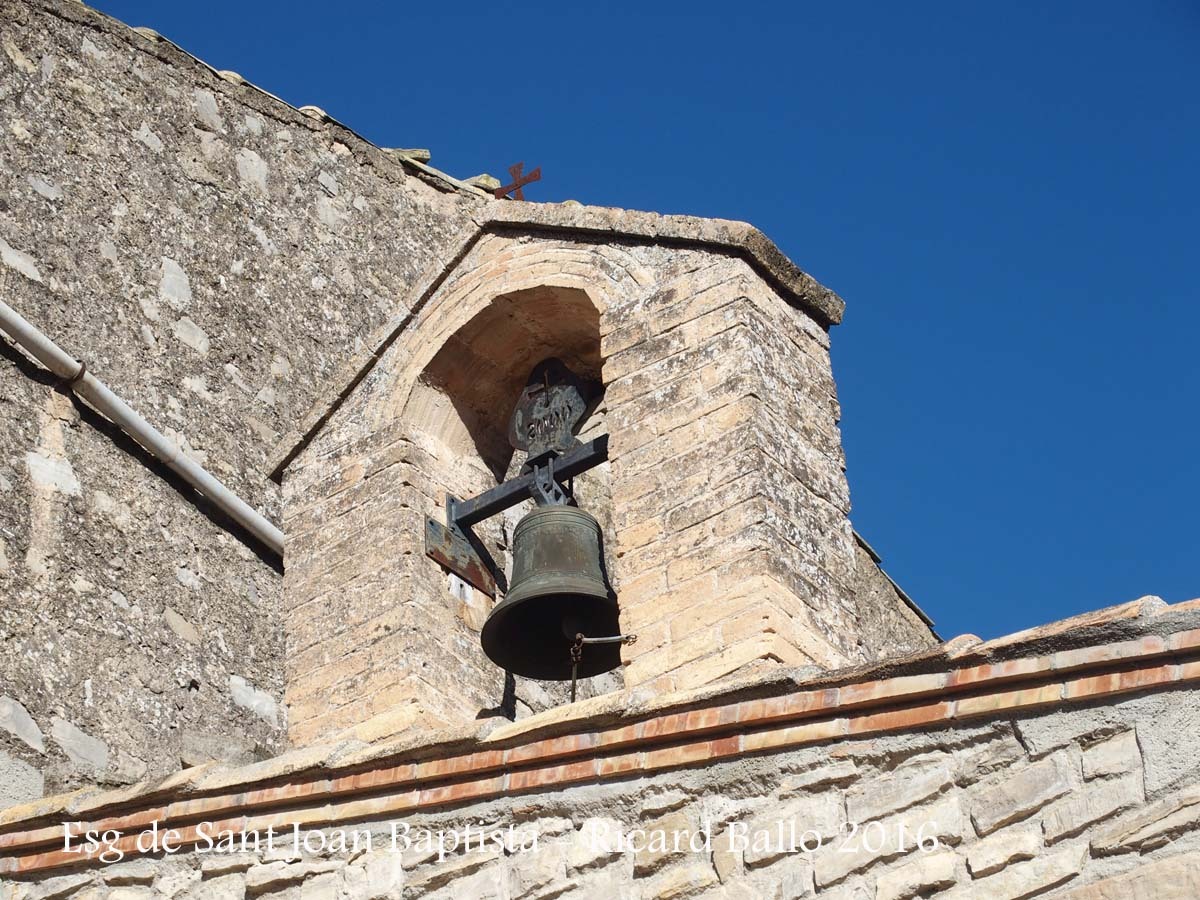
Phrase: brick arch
(459, 368)
(463, 398)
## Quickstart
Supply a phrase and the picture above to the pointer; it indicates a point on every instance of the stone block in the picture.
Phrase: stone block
(15, 719)
(1112, 756)
(726, 861)
(58, 886)
(276, 876)
(130, 872)
(227, 864)
(325, 886)
(980, 760)
(84, 750)
(782, 833)
(942, 820)
(909, 783)
(663, 837)
(384, 874)
(538, 873)
(130, 892)
(926, 874)
(1151, 825)
(593, 845)
(680, 881)
(1022, 792)
(226, 887)
(998, 850)
(430, 878)
(842, 770)
(1025, 879)
(1096, 800)
(1172, 878)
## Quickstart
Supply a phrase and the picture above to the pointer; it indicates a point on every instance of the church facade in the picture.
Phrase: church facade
(244, 644)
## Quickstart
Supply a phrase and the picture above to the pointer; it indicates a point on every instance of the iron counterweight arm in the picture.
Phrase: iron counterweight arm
(510, 493)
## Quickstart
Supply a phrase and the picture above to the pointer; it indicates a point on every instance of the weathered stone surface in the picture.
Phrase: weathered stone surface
(1153, 824)
(19, 781)
(977, 762)
(15, 719)
(209, 256)
(384, 874)
(942, 821)
(58, 886)
(909, 783)
(432, 877)
(682, 880)
(809, 779)
(131, 872)
(926, 874)
(256, 701)
(1024, 879)
(590, 844)
(668, 838)
(130, 892)
(793, 825)
(997, 850)
(83, 749)
(1112, 756)
(225, 887)
(1172, 878)
(1096, 800)
(278, 875)
(227, 864)
(1022, 792)
(531, 874)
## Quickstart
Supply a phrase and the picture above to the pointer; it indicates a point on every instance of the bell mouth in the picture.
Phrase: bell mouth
(531, 635)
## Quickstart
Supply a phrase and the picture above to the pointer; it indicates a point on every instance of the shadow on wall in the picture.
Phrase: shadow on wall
(481, 370)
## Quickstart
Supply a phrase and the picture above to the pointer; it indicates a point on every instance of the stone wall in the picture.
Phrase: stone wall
(1004, 812)
(212, 254)
(883, 608)
(1092, 796)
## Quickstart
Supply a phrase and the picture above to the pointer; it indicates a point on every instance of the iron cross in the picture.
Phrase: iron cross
(518, 182)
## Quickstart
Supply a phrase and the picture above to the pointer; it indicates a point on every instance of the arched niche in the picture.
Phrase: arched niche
(459, 408)
(465, 395)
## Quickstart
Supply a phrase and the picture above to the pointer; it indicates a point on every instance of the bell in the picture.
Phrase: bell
(557, 591)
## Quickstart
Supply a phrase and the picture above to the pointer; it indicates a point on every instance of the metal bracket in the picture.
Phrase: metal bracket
(546, 490)
(454, 546)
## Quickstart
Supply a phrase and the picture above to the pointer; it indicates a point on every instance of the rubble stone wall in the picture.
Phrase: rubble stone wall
(213, 255)
(1095, 802)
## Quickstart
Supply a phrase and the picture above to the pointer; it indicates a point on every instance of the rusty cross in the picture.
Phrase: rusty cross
(518, 182)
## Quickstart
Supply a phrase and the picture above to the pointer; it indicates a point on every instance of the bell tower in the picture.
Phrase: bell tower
(587, 425)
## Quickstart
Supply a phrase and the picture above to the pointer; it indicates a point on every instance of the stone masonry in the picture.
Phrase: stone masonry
(212, 254)
(732, 544)
(224, 262)
(338, 332)
(1080, 782)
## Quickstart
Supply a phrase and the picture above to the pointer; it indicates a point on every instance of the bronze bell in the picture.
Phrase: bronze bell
(557, 591)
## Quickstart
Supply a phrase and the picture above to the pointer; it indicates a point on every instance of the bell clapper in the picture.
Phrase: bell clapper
(577, 651)
(576, 655)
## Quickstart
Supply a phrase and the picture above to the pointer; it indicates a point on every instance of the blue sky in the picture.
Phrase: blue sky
(1006, 195)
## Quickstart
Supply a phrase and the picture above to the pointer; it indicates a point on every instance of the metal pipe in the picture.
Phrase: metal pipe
(112, 407)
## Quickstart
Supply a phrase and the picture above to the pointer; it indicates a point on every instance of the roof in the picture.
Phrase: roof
(1099, 656)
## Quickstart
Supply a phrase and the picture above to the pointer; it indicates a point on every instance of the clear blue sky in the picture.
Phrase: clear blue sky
(1006, 195)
